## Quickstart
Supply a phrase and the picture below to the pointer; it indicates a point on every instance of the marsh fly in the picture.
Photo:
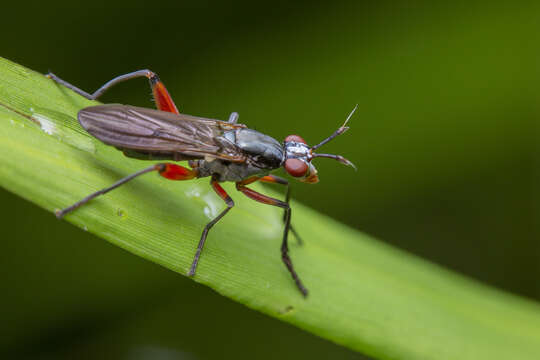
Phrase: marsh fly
(221, 150)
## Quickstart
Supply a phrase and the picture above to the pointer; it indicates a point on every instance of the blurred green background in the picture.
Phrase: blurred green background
(445, 140)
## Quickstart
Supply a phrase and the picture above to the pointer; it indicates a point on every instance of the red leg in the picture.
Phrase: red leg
(279, 180)
(162, 98)
(241, 186)
(230, 203)
(274, 180)
(177, 172)
(164, 101)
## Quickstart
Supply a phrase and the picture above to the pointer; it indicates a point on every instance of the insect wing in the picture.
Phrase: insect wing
(148, 130)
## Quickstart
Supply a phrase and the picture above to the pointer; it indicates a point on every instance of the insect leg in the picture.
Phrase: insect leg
(230, 203)
(163, 100)
(233, 118)
(284, 245)
(170, 171)
(279, 180)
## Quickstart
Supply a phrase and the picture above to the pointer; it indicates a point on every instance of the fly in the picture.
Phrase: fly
(221, 150)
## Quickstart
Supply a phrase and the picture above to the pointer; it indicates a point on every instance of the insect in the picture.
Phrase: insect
(221, 150)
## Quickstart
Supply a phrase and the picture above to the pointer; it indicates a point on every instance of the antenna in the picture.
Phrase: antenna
(339, 131)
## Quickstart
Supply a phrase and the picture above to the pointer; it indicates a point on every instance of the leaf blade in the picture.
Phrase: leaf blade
(364, 294)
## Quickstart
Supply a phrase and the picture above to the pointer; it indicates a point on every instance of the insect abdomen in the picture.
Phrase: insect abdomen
(145, 155)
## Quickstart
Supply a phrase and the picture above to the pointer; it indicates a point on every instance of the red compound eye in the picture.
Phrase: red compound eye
(295, 138)
(296, 168)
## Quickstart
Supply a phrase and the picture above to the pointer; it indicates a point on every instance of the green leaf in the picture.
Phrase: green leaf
(363, 294)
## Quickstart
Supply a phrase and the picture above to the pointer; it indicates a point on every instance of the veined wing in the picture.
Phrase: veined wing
(149, 130)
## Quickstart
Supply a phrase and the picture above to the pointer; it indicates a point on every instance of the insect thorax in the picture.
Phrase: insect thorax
(226, 170)
(263, 154)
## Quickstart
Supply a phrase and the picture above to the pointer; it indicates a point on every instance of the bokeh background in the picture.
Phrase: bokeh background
(445, 139)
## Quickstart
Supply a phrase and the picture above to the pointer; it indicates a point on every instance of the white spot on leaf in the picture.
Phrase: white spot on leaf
(46, 124)
(214, 205)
